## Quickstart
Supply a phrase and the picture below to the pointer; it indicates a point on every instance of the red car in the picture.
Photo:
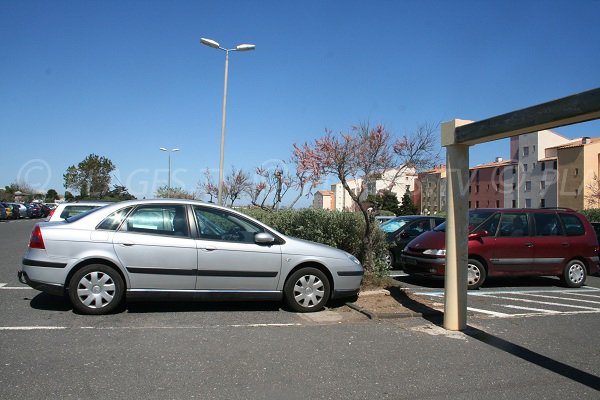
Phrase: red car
(513, 242)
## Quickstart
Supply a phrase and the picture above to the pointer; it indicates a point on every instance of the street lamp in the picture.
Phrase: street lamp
(169, 181)
(216, 45)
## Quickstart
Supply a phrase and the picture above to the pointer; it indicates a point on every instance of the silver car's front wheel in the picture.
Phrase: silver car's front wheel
(307, 290)
(96, 289)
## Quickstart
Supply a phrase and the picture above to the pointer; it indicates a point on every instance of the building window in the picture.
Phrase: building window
(469, 204)
(554, 164)
(525, 151)
(477, 189)
(576, 192)
(534, 148)
(477, 204)
(497, 171)
(514, 204)
(528, 203)
(543, 203)
(528, 186)
(497, 203)
(514, 187)
(525, 167)
(543, 185)
(514, 170)
(543, 166)
(576, 171)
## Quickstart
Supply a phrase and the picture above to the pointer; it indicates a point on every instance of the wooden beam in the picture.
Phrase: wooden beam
(569, 110)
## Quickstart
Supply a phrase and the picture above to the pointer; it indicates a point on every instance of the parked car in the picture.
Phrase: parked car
(513, 242)
(45, 209)
(163, 248)
(22, 209)
(13, 211)
(66, 210)
(2, 212)
(401, 230)
(33, 210)
(384, 218)
(8, 210)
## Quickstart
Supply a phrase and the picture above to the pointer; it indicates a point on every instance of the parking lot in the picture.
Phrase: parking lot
(530, 338)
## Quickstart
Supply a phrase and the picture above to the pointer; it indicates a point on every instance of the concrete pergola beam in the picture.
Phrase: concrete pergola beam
(457, 136)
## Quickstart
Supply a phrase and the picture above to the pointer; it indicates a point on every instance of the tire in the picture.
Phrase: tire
(574, 274)
(389, 260)
(96, 289)
(476, 274)
(307, 290)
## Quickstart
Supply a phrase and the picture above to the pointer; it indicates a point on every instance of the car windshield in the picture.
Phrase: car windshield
(393, 224)
(476, 217)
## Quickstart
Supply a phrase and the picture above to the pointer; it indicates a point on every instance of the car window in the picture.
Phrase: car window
(168, 220)
(215, 224)
(112, 222)
(393, 225)
(490, 225)
(547, 224)
(513, 224)
(79, 215)
(573, 225)
(476, 217)
(73, 210)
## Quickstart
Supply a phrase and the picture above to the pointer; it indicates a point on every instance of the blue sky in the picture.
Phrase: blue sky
(122, 78)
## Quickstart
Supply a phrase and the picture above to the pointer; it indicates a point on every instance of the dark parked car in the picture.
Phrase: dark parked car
(513, 242)
(33, 210)
(2, 212)
(401, 230)
(12, 210)
(45, 209)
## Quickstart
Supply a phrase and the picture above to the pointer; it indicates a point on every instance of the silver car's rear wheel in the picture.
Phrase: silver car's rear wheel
(307, 290)
(96, 289)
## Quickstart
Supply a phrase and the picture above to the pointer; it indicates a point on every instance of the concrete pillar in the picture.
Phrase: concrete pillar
(457, 175)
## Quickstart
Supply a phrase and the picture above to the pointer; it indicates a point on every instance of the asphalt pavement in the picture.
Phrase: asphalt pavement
(261, 351)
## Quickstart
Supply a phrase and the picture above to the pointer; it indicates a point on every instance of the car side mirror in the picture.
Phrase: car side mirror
(477, 234)
(264, 238)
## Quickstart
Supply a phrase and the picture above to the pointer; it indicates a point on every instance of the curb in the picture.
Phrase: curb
(407, 314)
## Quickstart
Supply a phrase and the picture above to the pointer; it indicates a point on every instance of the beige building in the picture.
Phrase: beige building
(396, 182)
(578, 169)
(324, 200)
(433, 190)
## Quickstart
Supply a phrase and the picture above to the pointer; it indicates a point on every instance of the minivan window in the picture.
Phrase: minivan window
(476, 217)
(573, 225)
(547, 224)
(514, 224)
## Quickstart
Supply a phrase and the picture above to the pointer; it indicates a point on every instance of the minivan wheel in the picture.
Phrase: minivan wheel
(476, 274)
(574, 274)
(306, 290)
(96, 289)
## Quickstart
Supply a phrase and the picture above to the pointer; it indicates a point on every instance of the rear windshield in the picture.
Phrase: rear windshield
(81, 213)
(394, 224)
(476, 218)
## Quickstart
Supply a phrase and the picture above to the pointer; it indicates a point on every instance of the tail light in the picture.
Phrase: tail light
(51, 213)
(36, 241)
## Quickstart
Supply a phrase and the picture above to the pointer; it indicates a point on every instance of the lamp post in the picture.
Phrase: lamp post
(216, 45)
(169, 181)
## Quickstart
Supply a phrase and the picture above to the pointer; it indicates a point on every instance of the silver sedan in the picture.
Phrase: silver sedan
(181, 249)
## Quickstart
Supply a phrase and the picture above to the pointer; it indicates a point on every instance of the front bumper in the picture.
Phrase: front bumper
(53, 289)
(423, 266)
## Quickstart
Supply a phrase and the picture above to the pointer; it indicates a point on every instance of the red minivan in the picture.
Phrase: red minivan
(513, 242)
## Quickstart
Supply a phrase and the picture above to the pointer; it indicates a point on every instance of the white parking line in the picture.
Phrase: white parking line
(529, 309)
(561, 298)
(544, 302)
(31, 328)
(494, 313)
(54, 328)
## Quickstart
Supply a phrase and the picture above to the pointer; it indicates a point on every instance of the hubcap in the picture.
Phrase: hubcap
(474, 274)
(576, 273)
(309, 291)
(96, 289)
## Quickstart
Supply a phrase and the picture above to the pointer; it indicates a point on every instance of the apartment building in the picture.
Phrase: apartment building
(433, 190)
(487, 184)
(324, 200)
(397, 182)
(578, 166)
(532, 180)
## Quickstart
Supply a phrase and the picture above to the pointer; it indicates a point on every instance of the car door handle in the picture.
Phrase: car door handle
(565, 244)
(530, 245)
(207, 249)
(127, 244)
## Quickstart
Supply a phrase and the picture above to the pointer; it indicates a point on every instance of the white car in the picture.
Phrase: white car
(67, 210)
(187, 249)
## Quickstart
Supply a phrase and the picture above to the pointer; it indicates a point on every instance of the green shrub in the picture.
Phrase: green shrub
(343, 230)
(592, 214)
